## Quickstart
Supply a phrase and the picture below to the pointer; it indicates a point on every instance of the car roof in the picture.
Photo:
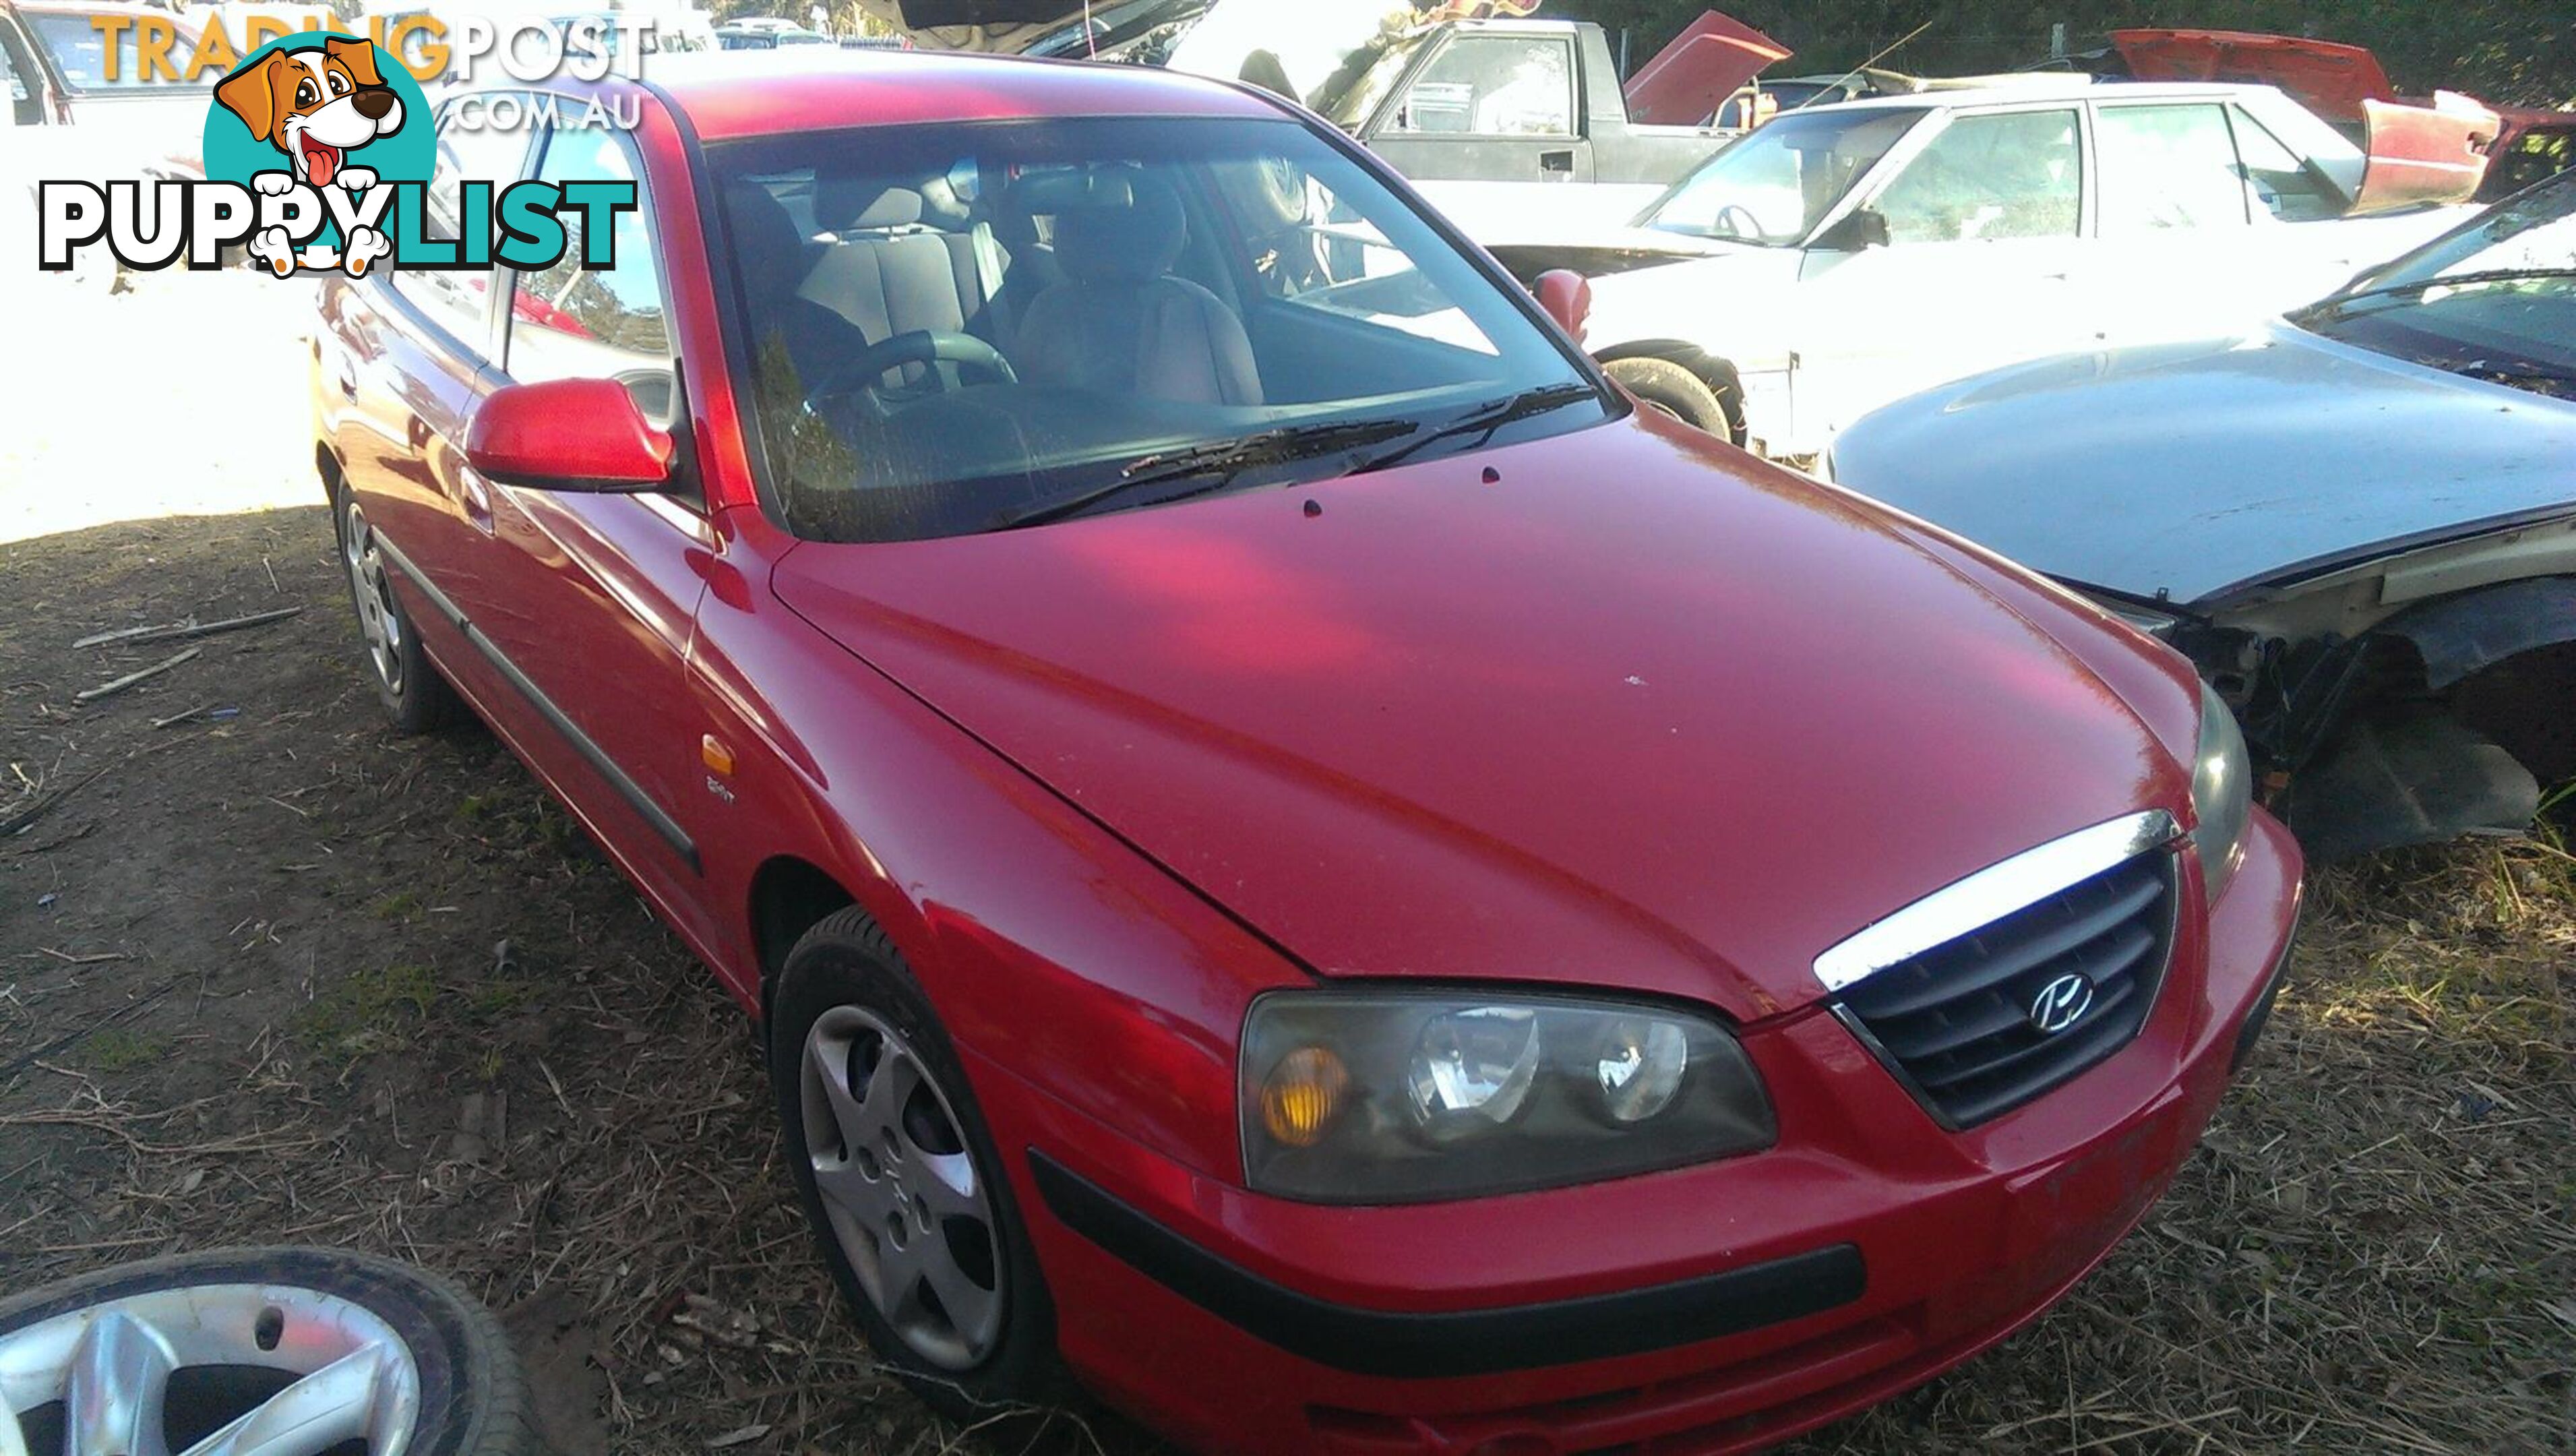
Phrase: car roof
(2048, 86)
(733, 94)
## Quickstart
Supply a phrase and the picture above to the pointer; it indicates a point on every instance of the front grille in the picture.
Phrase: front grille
(1955, 1022)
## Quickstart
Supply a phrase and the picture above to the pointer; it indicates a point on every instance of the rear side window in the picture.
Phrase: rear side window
(2283, 183)
(2013, 174)
(458, 299)
(571, 322)
(2166, 167)
(1495, 85)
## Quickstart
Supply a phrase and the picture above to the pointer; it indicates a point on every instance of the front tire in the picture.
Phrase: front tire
(416, 698)
(293, 1350)
(1667, 386)
(901, 1182)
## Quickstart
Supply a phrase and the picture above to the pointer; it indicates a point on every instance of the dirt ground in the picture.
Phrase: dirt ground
(268, 973)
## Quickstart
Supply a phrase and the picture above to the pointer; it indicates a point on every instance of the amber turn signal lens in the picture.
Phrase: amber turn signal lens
(1303, 1093)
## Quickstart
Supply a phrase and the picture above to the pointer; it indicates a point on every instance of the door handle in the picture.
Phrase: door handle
(1556, 161)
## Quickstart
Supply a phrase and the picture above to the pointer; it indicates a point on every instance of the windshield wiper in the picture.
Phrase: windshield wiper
(1218, 463)
(2336, 305)
(1484, 419)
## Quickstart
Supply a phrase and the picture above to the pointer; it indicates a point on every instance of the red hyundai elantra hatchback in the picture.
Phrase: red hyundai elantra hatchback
(1298, 857)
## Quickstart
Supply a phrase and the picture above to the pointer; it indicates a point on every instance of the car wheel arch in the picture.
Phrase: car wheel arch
(789, 896)
(2501, 656)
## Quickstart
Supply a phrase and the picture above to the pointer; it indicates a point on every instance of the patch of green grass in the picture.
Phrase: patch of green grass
(368, 1011)
(400, 905)
(118, 1050)
(474, 808)
(500, 998)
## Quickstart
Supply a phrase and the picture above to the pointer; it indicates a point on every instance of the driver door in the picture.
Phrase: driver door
(592, 598)
(1487, 122)
(1985, 224)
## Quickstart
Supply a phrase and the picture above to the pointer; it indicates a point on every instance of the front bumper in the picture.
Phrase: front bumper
(1711, 1309)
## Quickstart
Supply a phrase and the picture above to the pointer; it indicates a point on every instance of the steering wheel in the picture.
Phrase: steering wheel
(921, 346)
(1751, 226)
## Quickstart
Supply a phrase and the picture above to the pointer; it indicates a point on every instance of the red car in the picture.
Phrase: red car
(1299, 858)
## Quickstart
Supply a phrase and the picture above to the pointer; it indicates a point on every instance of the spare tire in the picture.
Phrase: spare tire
(287, 1350)
(1667, 386)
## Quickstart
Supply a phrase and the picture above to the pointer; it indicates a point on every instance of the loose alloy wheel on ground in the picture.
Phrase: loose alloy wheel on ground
(257, 1352)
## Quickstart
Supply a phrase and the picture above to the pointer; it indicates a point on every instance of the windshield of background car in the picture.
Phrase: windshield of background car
(1352, 94)
(80, 53)
(1776, 184)
(952, 327)
(2496, 300)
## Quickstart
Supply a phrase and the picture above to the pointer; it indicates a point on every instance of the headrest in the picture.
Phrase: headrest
(768, 246)
(853, 204)
(1120, 229)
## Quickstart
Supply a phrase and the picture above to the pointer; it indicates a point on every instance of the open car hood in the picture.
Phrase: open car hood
(1000, 27)
(2419, 153)
(2329, 79)
(929, 14)
(1688, 80)
(1220, 34)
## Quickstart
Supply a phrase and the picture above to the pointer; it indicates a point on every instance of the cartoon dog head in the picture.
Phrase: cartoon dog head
(314, 105)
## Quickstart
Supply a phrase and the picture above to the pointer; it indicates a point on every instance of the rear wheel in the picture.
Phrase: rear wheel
(289, 1352)
(414, 695)
(1667, 386)
(901, 1181)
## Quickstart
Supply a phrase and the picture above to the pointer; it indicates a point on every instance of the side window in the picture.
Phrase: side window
(2014, 174)
(2283, 182)
(1494, 85)
(455, 298)
(571, 322)
(2167, 167)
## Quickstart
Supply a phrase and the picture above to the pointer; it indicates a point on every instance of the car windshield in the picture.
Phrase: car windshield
(80, 53)
(960, 328)
(2495, 299)
(1776, 184)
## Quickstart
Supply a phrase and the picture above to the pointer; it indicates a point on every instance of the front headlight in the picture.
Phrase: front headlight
(1404, 1096)
(2222, 792)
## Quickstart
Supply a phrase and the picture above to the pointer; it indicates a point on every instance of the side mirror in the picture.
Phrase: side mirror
(1567, 297)
(1860, 228)
(567, 434)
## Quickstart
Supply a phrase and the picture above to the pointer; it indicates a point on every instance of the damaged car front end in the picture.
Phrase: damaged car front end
(2359, 521)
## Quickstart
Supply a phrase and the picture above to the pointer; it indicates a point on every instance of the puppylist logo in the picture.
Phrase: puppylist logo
(318, 156)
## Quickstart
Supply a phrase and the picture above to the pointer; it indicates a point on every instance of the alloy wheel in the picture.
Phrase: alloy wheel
(378, 618)
(274, 1370)
(906, 1202)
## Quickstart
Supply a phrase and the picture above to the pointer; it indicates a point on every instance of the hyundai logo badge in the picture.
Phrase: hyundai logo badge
(2061, 1003)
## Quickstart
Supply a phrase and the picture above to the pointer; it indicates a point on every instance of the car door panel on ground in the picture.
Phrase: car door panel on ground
(619, 697)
